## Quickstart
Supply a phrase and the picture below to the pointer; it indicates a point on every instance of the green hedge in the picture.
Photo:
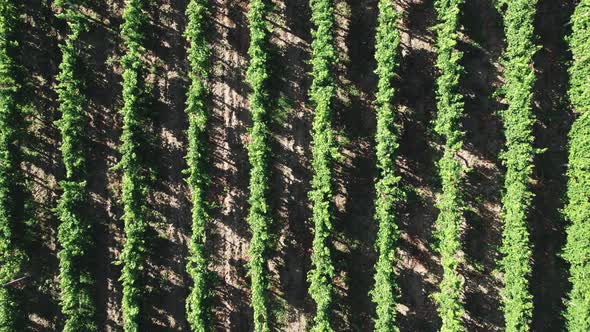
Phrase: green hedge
(518, 119)
(450, 202)
(322, 94)
(577, 210)
(259, 217)
(389, 194)
(12, 256)
(134, 187)
(74, 231)
(197, 303)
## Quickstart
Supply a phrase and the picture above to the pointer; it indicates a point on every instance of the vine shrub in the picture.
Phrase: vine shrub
(74, 231)
(132, 166)
(259, 217)
(322, 94)
(577, 210)
(197, 303)
(12, 255)
(385, 291)
(450, 203)
(518, 121)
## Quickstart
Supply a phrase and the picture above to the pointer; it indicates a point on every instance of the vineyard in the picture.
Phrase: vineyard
(300, 165)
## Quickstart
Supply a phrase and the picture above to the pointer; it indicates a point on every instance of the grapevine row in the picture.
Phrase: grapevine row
(131, 164)
(197, 303)
(385, 291)
(448, 125)
(322, 94)
(74, 232)
(577, 210)
(518, 121)
(12, 255)
(259, 217)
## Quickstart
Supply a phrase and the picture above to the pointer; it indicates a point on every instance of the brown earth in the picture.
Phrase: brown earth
(228, 234)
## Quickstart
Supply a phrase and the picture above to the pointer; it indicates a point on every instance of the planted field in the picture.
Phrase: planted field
(305, 165)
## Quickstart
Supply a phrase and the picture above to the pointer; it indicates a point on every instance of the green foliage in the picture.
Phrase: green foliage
(579, 92)
(322, 94)
(577, 210)
(134, 187)
(12, 256)
(518, 121)
(74, 232)
(197, 303)
(389, 193)
(259, 217)
(450, 203)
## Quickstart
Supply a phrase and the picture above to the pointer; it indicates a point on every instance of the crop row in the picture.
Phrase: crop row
(259, 217)
(322, 94)
(577, 210)
(197, 302)
(132, 165)
(387, 186)
(12, 255)
(75, 230)
(518, 120)
(448, 125)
